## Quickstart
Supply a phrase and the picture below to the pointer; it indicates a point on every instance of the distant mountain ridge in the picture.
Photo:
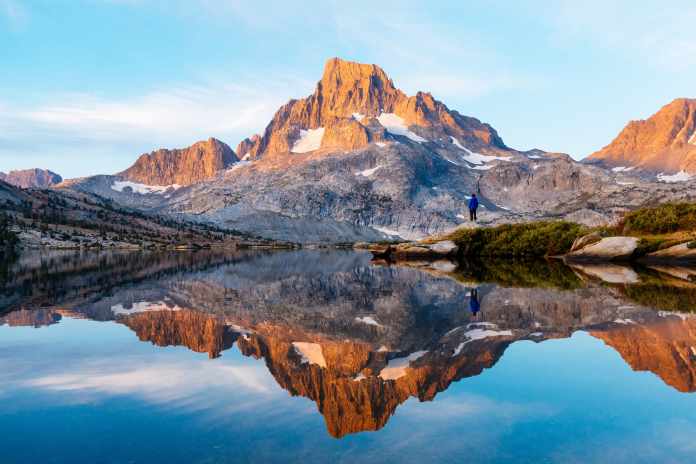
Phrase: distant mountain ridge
(31, 178)
(665, 142)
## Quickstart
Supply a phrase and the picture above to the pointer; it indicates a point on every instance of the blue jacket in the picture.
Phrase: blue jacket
(474, 305)
(473, 203)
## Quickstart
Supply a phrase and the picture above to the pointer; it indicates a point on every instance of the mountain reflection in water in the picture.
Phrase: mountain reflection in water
(360, 338)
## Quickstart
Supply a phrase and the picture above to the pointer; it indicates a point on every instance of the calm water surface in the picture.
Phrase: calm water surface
(325, 356)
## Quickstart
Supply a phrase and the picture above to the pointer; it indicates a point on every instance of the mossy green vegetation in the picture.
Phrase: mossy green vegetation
(662, 219)
(534, 273)
(663, 296)
(532, 239)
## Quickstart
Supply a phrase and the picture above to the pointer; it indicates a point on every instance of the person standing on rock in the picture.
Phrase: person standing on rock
(474, 303)
(473, 206)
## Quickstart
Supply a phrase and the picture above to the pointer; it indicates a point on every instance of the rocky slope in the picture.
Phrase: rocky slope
(64, 218)
(663, 143)
(31, 178)
(358, 159)
(185, 166)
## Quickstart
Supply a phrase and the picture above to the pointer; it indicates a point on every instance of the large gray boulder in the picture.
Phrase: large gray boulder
(607, 249)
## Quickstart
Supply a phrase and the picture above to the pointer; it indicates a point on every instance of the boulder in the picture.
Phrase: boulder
(585, 240)
(610, 273)
(446, 247)
(680, 252)
(409, 251)
(607, 249)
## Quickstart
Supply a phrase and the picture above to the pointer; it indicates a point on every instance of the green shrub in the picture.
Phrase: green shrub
(528, 273)
(534, 239)
(662, 219)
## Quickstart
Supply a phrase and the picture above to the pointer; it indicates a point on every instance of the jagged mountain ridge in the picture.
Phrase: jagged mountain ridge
(353, 104)
(663, 143)
(360, 160)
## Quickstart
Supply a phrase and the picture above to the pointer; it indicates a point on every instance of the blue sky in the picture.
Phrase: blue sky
(88, 85)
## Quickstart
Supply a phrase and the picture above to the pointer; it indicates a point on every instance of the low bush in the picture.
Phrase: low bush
(534, 239)
(662, 219)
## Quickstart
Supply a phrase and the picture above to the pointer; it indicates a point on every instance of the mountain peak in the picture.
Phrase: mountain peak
(31, 178)
(665, 142)
(355, 104)
(183, 166)
(347, 87)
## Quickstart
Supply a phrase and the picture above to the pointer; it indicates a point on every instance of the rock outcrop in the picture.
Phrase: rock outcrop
(31, 178)
(185, 166)
(606, 249)
(665, 142)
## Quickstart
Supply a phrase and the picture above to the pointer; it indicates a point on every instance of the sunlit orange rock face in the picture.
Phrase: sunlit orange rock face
(346, 102)
(185, 166)
(349, 392)
(197, 331)
(666, 347)
(665, 142)
(31, 318)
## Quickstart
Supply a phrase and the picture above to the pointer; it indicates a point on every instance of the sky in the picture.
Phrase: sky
(86, 86)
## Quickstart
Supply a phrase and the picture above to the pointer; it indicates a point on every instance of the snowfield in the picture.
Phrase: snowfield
(310, 352)
(368, 172)
(396, 368)
(477, 158)
(369, 320)
(681, 176)
(309, 140)
(142, 189)
(396, 125)
(143, 306)
(622, 169)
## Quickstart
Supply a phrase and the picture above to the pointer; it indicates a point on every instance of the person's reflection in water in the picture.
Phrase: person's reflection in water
(474, 304)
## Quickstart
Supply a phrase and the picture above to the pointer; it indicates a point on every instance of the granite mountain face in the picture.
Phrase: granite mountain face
(665, 143)
(358, 159)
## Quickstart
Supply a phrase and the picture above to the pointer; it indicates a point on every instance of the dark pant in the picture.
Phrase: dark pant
(472, 214)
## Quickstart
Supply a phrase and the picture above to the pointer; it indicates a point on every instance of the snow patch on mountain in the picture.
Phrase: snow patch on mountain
(239, 164)
(369, 320)
(692, 140)
(681, 176)
(396, 368)
(310, 352)
(142, 189)
(396, 125)
(387, 231)
(622, 169)
(477, 158)
(358, 116)
(369, 172)
(143, 306)
(309, 140)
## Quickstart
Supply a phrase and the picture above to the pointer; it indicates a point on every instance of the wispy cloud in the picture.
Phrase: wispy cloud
(116, 126)
(664, 36)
